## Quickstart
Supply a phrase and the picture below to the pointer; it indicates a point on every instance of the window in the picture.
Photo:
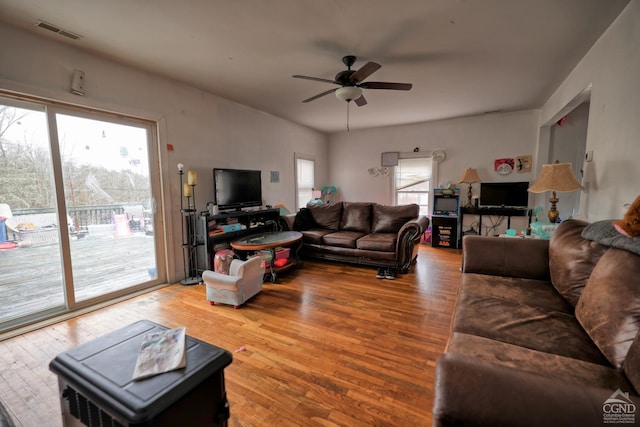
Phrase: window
(412, 181)
(305, 180)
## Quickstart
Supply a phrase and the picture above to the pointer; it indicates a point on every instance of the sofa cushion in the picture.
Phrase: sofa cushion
(571, 259)
(314, 235)
(537, 293)
(537, 328)
(537, 362)
(385, 242)
(389, 219)
(632, 363)
(356, 216)
(342, 239)
(327, 216)
(609, 308)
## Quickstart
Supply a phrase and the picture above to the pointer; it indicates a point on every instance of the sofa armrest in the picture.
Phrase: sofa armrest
(287, 221)
(418, 225)
(513, 257)
(408, 235)
(470, 392)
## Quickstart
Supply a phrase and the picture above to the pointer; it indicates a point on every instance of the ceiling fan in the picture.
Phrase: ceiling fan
(352, 82)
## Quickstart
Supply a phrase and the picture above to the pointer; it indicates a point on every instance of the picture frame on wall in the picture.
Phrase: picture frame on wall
(523, 164)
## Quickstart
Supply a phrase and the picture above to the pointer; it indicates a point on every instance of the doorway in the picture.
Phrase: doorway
(564, 138)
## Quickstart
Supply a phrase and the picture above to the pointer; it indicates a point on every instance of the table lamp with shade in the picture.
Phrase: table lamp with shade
(556, 177)
(469, 176)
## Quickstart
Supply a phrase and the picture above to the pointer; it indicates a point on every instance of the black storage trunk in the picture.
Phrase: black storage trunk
(96, 388)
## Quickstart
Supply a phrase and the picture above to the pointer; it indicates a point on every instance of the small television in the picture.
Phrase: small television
(237, 188)
(445, 206)
(504, 194)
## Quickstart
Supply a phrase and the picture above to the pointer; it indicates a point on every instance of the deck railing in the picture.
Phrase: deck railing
(83, 216)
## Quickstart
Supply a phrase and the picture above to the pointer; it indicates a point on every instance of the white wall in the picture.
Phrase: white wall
(468, 142)
(567, 145)
(206, 131)
(612, 66)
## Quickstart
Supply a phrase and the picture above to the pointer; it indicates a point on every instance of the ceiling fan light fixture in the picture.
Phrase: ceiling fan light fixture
(348, 93)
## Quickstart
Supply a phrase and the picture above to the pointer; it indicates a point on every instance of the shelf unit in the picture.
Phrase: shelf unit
(445, 226)
(252, 222)
(190, 244)
(499, 212)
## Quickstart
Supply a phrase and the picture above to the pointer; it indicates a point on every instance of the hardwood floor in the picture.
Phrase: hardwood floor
(328, 345)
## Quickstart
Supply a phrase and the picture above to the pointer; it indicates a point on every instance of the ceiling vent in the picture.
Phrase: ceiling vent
(58, 30)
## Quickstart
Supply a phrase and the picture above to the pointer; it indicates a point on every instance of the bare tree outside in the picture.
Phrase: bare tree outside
(25, 173)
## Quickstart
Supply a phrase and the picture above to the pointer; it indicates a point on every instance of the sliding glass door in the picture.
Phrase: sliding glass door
(29, 235)
(77, 193)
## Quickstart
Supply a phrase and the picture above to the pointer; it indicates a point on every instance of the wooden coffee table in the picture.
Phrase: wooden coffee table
(270, 241)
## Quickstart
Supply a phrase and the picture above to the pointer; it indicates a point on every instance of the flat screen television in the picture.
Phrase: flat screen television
(237, 188)
(504, 194)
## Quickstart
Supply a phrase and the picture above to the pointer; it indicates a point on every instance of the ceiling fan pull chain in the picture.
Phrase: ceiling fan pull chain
(348, 115)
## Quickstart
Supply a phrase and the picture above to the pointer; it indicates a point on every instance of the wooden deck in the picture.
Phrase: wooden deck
(31, 277)
(328, 345)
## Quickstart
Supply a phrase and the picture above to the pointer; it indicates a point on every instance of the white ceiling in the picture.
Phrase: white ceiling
(463, 57)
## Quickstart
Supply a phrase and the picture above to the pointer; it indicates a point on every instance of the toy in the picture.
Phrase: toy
(629, 225)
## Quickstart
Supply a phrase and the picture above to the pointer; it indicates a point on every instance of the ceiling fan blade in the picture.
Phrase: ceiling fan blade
(365, 71)
(326, 92)
(386, 85)
(360, 101)
(317, 79)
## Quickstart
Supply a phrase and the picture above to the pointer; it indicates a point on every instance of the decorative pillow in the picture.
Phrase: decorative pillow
(609, 308)
(356, 216)
(389, 219)
(222, 261)
(304, 220)
(571, 259)
(326, 216)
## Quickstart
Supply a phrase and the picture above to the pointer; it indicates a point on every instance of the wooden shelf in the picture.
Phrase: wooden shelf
(253, 222)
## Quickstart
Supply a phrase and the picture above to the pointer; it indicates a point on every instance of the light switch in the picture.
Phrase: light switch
(589, 156)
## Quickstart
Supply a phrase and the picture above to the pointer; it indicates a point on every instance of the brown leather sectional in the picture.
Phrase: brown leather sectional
(545, 333)
(359, 232)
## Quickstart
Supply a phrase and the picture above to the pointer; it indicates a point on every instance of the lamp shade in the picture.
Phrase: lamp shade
(348, 93)
(556, 177)
(469, 176)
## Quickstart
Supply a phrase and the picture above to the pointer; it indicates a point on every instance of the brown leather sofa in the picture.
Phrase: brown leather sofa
(359, 232)
(544, 334)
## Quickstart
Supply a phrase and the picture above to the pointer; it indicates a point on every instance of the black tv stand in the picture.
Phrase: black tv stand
(493, 211)
(250, 222)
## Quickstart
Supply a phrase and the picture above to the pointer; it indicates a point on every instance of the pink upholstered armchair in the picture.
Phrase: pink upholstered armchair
(244, 281)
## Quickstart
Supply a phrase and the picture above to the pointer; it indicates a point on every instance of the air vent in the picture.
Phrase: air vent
(65, 33)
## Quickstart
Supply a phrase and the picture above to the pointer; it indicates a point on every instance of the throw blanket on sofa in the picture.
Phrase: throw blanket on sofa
(603, 232)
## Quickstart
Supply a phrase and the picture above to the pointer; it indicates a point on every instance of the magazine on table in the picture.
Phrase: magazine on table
(160, 352)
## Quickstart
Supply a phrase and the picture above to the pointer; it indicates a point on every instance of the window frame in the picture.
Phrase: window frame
(307, 158)
(432, 179)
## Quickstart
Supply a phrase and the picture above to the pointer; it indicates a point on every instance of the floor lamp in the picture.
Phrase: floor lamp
(556, 177)
(189, 236)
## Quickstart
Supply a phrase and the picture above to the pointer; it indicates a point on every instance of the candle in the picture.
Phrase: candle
(192, 178)
(186, 189)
